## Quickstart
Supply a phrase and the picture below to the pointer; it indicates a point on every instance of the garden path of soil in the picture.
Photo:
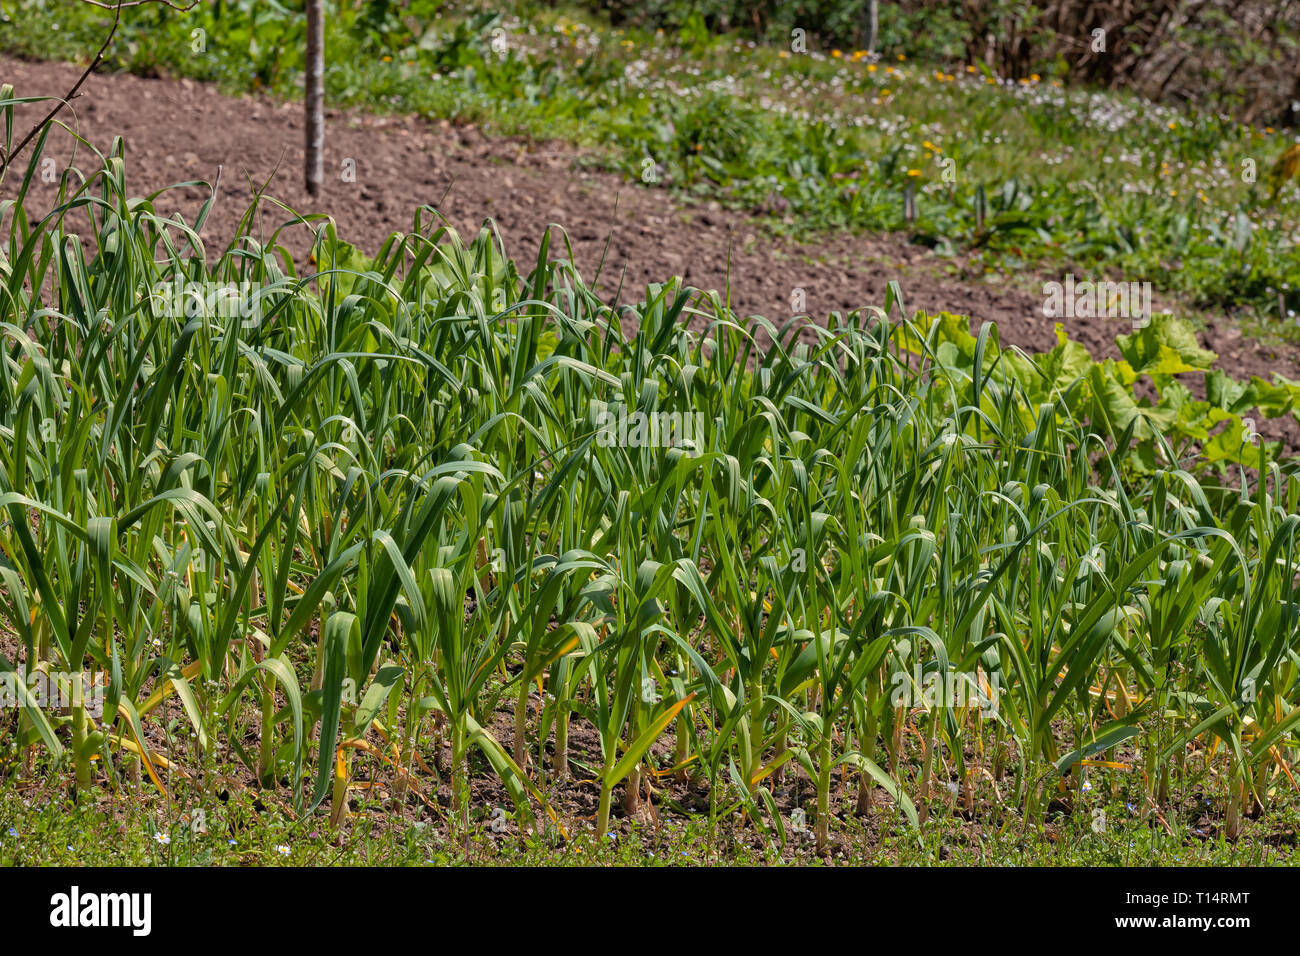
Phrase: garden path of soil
(179, 130)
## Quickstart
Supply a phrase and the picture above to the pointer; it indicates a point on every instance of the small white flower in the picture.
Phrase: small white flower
(163, 838)
(282, 850)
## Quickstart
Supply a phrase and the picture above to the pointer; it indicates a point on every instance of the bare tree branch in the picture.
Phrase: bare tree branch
(139, 3)
(7, 160)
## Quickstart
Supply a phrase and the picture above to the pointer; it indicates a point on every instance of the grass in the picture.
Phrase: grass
(826, 139)
(58, 831)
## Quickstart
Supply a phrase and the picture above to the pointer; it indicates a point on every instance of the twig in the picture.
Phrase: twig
(139, 3)
(7, 160)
